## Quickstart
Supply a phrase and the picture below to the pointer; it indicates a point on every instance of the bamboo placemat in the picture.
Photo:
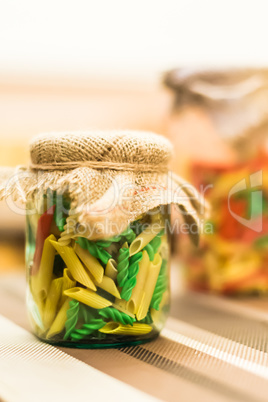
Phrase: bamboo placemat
(211, 350)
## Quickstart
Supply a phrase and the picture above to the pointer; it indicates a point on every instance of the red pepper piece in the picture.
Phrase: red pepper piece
(43, 231)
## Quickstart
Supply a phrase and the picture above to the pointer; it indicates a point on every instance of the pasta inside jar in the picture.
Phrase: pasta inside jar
(111, 291)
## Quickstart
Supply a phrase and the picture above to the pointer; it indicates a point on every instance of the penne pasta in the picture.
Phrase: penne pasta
(74, 264)
(52, 301)
(152, 275)
(91, 263)
(109, 286)
(68, 283)
(111, 270)
(164, 248)
(134, 302)
(88, 297)
(59, 322)
(42, 280)
(117, 328)
(143, 239)
(121, 305)
(157, 218)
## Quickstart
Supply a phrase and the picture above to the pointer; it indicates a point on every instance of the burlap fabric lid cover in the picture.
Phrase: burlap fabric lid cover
(111, 177)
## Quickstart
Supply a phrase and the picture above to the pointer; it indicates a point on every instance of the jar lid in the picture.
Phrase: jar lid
(235, 98)
(68, 150)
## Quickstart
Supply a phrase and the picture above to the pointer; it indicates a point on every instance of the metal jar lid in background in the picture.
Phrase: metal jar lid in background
(235, 99)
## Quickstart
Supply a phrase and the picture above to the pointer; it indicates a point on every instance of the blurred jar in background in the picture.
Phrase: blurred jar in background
(219, 122)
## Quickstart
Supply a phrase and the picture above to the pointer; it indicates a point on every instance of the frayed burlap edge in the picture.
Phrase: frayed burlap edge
(105, 196)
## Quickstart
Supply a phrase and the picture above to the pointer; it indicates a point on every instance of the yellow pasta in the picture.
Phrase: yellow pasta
(117, 328)
(143, 239)
(157, 218)
(59, 322)
(68, 283)
(88, 297)
(109, 286)
(42, 280)
(121, 305)
(152, 275)
(111, 270)
(164, 248)
(91, 263)
(52, 301)
(74, 264)
(134, 302)
(69, 230)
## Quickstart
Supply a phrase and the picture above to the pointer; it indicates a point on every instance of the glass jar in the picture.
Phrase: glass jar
(96, 294)
(97, 238)
(227, 116)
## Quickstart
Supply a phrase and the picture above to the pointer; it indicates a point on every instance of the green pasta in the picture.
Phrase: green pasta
(87, 329)
(136, 227)
(61, 210)
(148, 319)
(154, 245)
(85, 313)
(107, 242)
(95, 250)
(72, 318)
(160, 286)
(128, 234)
(122, 266)
(117, 316)
(132, 273)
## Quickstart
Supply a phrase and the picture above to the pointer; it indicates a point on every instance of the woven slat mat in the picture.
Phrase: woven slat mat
(211, 350)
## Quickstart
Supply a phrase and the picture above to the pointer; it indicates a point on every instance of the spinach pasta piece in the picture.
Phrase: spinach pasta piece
(147, 320)
(153, 246)
(117, 316)
(128, 235)
(95, 250)
(72, 318)
(87, 329)
(61, 210)
(122, 266)
(160, 287)
(86, 314)
(131, 281)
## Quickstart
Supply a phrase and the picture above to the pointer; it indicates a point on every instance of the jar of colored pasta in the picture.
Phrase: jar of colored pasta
(225, 114)
(97, 238)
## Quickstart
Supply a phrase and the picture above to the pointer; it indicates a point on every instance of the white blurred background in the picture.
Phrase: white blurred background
(68, 65)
